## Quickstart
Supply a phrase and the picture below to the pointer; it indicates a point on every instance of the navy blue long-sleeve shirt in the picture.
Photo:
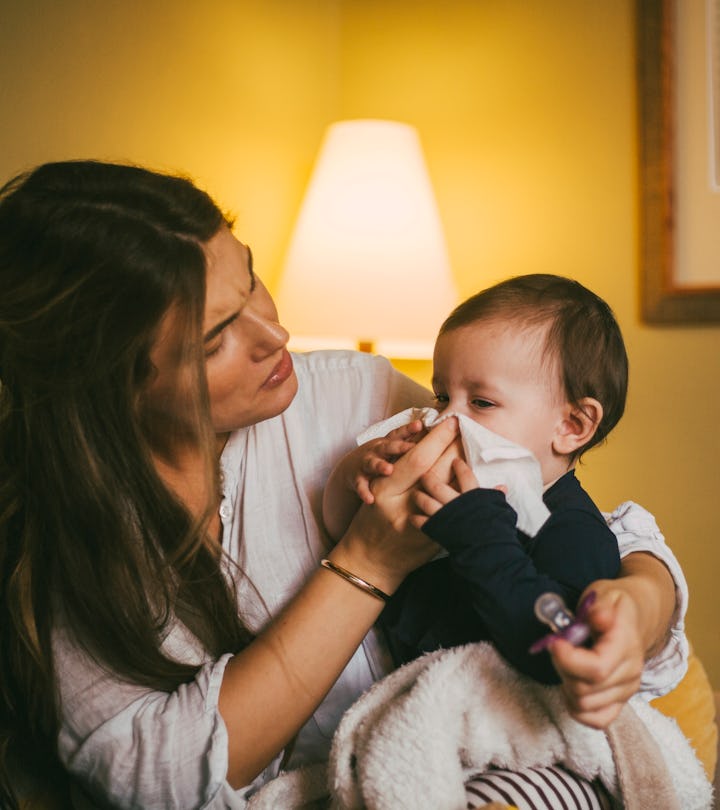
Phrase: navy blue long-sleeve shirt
(485, 589)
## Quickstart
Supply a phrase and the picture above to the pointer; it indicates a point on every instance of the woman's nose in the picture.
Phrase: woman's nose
(266, 334)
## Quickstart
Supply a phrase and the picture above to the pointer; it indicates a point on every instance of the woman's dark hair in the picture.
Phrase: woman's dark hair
(583, 340)
(93, 256)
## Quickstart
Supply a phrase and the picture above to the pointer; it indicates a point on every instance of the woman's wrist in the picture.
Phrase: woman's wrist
(650, 586)
(354, 580)
(352, 555)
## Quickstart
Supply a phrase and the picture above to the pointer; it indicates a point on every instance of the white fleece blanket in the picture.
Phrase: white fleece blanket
(412, 740)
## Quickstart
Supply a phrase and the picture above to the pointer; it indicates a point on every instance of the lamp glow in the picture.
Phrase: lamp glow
(367, 262)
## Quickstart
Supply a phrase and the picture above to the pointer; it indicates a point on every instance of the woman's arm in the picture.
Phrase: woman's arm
(631, 618)
(648, 582)
(272, 687)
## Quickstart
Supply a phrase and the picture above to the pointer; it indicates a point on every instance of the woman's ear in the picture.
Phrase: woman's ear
(577, 426)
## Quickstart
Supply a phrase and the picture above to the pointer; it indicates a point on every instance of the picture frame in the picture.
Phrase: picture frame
(665, 299)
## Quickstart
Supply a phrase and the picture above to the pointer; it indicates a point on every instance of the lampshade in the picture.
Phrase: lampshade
(367, 261)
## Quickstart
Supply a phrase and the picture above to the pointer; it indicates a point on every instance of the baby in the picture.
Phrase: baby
(540, 361)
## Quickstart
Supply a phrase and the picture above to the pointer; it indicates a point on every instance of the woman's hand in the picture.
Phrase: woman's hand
(377, 458)
(597, 682)
(383, 540)
(630, 619)
(350, 482)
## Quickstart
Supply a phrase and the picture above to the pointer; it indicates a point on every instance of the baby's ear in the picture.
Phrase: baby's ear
(578, 426)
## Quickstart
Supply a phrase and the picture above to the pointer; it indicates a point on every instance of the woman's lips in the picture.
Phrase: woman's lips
(281, 371)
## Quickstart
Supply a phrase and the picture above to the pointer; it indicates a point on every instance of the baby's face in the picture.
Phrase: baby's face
(494, 372)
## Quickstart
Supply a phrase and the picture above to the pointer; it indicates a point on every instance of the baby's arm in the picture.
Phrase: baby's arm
(501, 576)
(349, 483)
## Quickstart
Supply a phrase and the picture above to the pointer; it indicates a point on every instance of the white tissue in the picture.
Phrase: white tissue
(494, 460)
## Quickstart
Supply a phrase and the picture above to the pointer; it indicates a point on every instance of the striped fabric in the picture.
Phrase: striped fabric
(553, 788)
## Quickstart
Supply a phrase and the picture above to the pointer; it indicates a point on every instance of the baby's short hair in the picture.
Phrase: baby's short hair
(583, 336)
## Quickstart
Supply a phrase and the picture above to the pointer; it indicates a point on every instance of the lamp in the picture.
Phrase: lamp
(367, 266)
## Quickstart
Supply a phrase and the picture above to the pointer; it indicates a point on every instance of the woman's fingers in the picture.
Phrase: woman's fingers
(409, 468)
(443, 466)
(598, 681)
(597, 708)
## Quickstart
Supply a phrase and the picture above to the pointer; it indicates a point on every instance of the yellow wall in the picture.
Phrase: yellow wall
(526, 112)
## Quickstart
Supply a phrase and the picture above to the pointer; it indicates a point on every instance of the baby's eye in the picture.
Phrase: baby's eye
(441, 399)
(482, 404)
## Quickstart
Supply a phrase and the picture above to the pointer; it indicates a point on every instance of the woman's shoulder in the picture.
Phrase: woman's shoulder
(361, 387)
(342, 380)
(339, 361)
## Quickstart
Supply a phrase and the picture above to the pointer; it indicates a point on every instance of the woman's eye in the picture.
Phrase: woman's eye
(213, 348)
(482, 403)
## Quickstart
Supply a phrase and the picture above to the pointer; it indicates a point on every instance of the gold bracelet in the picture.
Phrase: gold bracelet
(354, 580)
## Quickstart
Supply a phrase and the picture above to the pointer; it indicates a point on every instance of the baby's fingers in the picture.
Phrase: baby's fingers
(418, 521)
(464, 475)
(392, 449)
(374, 465)
(411, 431)
(362, 488)
(426, 503)
(437, 489)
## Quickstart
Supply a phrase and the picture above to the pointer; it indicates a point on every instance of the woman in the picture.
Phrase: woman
(137, 347)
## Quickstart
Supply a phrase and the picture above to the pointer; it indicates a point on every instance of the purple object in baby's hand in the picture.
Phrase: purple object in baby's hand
(552, 610)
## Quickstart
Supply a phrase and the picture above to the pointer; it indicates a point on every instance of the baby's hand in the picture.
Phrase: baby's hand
(376, 458)
(450, 477)
(435, 492)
